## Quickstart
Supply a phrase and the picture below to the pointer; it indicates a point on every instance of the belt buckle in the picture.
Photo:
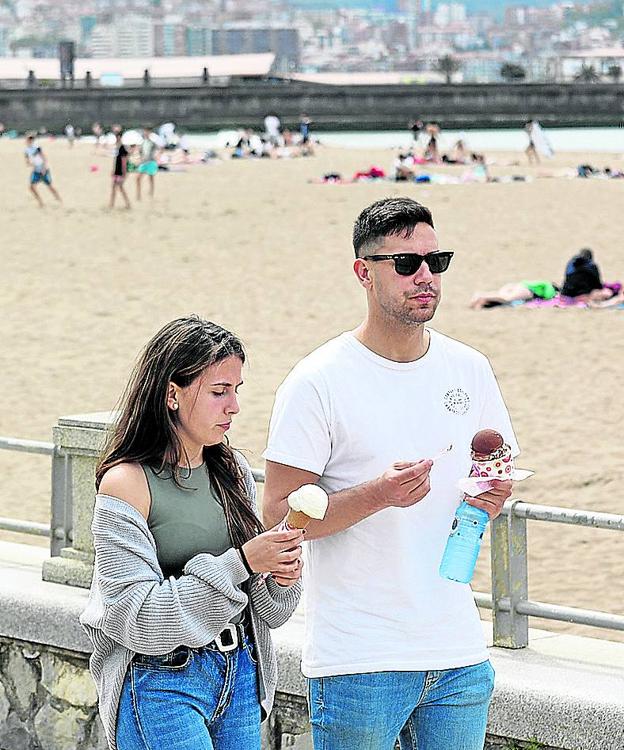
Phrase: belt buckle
(231, 632)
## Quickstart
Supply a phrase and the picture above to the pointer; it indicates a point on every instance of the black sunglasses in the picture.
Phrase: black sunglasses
(406, 264)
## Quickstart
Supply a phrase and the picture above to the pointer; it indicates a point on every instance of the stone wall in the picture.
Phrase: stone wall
(205, 108)
(48, 702)
(47, 699)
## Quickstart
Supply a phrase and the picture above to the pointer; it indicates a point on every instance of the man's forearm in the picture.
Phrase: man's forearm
(345, 509)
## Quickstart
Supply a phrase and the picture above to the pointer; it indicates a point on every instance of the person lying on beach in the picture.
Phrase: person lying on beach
(457, 155)
(514, 291)
(615, 301)
(587, 170)
(582, 278)
(403, 168)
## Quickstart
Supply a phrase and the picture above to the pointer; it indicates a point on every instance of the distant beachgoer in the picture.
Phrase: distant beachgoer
(416, 128)
(530, 150)
(304, 131)
(615, 301)
(2, 129)
(403, 167)
(432, 152)
(582, 278)
(514, 291)
(457, 155)
(120, 170)
(272, 128)
(373, 173)
(70, 134)
(36, 159)
(185, 147)
(98, 133)
(148, 164)
(538, 143)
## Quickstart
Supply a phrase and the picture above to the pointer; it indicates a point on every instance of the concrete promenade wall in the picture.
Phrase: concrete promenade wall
(566, 692)
(203, 108)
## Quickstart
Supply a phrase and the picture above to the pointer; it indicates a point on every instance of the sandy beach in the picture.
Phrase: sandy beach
(256, 247)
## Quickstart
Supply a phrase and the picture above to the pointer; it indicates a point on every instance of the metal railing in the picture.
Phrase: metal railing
(508, 600)
(59, 530)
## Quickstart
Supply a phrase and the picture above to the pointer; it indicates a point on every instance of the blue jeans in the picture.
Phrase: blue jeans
(191, 700)
(436, 710)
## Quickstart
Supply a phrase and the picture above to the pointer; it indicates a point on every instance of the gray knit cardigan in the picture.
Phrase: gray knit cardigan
(133, 608)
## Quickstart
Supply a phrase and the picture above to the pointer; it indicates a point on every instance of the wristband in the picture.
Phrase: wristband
(245, 562)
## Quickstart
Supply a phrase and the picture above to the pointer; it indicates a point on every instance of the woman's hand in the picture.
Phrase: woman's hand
(291, 578)
(276, 552)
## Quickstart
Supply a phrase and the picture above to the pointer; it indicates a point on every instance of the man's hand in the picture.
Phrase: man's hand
(493, 500)
(403, 484)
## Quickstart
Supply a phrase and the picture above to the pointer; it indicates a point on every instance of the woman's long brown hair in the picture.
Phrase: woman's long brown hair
(145, 430)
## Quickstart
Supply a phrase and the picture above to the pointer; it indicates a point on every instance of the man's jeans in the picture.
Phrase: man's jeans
(191, 700)
(437, 710)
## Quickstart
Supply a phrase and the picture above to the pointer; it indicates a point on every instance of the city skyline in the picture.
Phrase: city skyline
(538, 40)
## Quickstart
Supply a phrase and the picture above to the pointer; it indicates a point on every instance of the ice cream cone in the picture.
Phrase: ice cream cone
(296, 519)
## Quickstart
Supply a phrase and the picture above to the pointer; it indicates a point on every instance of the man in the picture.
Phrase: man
(391, 649)
(36, 159)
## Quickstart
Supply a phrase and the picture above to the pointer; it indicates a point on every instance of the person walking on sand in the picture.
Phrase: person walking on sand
(120, 170)
(187, 584)
(70, 134)
(149, 163)
(40, 171)
(98, 134)
(392, 650)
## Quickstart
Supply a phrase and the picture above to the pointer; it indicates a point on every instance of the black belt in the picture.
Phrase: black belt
(229, 639)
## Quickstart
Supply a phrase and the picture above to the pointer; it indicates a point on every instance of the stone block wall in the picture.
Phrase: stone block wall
(47, 699)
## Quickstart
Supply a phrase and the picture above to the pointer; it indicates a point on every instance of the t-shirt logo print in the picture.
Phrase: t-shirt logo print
(457, 401)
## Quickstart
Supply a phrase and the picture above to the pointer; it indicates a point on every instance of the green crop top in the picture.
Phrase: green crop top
(185, 522)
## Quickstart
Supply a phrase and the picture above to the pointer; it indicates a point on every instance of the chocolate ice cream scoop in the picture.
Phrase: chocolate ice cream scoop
(486, 443)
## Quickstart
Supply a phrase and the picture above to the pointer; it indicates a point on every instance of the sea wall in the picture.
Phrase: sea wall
(205, 108)
(564, 692)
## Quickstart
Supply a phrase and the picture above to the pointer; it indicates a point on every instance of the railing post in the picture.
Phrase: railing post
(61, 510)
(78, 442)
(509, 578)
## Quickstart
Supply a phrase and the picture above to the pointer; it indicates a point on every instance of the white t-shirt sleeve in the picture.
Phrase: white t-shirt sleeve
(299, 432)
(494, 414)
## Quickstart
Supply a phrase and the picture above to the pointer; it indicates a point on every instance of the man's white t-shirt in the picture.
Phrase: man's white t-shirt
(374, 600)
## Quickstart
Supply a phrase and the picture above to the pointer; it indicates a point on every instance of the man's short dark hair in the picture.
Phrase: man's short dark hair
(386, 217)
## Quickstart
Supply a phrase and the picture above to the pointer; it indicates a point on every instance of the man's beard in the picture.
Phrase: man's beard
(411, 316)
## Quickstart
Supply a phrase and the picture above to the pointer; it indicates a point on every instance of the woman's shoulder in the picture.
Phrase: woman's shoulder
(127, 482)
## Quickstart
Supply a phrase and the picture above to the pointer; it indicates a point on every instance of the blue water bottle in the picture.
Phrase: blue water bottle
(464, 542)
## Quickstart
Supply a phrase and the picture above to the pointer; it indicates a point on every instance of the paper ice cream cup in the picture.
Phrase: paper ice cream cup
(499, 465)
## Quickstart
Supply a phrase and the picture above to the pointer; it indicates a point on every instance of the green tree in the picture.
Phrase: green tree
(614, 72)
(587, 74)
(448, 65)
(512, 72)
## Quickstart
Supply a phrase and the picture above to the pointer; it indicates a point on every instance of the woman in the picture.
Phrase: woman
(186, 582)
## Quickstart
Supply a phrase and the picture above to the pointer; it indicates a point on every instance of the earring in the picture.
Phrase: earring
(174, 405)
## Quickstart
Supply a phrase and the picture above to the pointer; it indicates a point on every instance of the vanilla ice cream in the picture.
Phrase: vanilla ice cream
(309, 499)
